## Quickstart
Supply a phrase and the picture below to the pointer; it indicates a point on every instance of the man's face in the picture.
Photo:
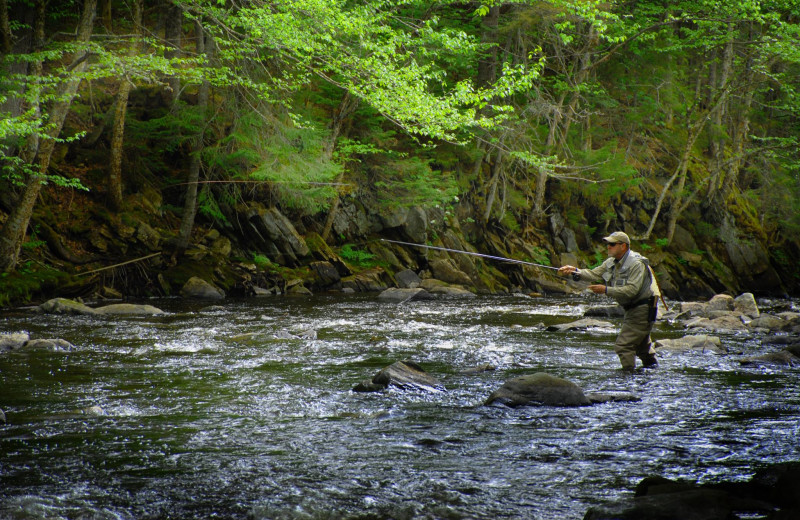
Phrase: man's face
(616, 250)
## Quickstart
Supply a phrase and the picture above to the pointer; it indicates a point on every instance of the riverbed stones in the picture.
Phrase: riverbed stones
(198, 288)
(405, 375)
(539, 389)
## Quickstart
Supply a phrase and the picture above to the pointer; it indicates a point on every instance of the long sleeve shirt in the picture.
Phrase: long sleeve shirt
(627, 280)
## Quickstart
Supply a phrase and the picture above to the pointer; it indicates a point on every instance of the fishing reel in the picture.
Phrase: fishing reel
(576, 276)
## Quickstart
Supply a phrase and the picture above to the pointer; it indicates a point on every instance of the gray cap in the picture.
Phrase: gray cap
(618, 237)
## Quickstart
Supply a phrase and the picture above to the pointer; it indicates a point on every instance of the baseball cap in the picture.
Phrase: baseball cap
(618, 237)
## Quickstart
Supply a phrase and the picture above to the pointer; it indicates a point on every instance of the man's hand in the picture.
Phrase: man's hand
(567, 270)
(598, 289)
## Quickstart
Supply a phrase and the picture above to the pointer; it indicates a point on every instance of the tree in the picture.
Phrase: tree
(117, 138)
(13, 232)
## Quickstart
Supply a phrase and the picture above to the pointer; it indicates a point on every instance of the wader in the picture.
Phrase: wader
(634, 336)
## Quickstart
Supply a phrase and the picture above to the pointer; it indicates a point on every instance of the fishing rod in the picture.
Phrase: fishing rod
(575, 276)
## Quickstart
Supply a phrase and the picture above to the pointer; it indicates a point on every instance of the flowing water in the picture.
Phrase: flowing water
(208, 414)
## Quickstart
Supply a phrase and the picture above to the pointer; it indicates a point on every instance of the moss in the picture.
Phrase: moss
(29, 282)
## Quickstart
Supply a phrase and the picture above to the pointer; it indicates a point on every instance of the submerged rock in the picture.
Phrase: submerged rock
(402, 374)
(539, 389)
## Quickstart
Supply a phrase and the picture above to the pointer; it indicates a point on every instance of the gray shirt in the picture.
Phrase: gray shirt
(627, 279)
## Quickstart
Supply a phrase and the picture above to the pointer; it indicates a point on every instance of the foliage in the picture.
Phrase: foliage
(357, 257)
(411, 181)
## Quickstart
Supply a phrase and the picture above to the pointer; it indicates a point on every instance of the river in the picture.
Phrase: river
(208, 414)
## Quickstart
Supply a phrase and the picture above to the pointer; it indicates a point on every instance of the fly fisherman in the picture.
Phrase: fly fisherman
(627, 277)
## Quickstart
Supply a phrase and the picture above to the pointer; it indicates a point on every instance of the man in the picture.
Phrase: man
(626, 276)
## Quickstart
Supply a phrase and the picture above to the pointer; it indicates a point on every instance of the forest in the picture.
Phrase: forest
(133, 132)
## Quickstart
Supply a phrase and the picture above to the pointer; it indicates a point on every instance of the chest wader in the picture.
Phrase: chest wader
(634, 337)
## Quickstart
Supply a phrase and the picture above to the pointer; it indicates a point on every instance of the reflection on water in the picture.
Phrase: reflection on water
(228, 414)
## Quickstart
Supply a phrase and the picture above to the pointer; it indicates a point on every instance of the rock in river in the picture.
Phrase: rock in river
(539, 389)
(402, 374)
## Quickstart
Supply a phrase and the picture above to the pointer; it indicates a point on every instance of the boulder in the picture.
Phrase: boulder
(720, 302)
(582, 324)
(402, 374)
(13, 341)
(746, 304)
(297, 288)
(198, 288)
(449, 291)
(415, 226)
(64, 306)
(768, 322)
(128, 308)
(539, 389)
(725, 323)
(407, 279)
(394, 294)
(694, 343)
(371, 280)
(446, 270)
(326, 272)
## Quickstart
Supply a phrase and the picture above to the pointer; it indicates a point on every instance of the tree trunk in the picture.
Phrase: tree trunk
(5, 28)
(487, 66)
(717, 141)
(190, 202)
(172, 34)
(346, 107)
(117, 137)
(12, 234)
(497, 168)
